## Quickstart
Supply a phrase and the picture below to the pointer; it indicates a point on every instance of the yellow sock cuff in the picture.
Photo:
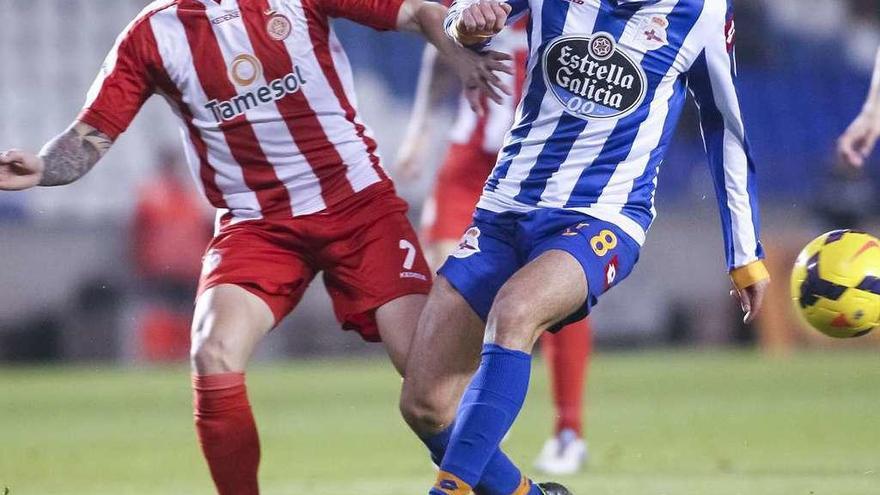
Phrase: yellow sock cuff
(525, 485)
(451, 484)
(749, 275)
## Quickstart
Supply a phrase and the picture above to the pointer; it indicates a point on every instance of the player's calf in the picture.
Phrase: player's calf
(228, 323)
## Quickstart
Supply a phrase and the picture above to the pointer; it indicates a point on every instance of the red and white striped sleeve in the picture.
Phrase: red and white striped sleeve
(124, 83)
(377, 14)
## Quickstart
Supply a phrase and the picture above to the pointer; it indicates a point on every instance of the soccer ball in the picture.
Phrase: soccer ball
(835, 284)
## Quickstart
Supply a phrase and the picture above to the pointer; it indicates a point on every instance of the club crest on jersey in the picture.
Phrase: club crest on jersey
(652, 33)
(278, 27)
(469, 245)
(592, 78)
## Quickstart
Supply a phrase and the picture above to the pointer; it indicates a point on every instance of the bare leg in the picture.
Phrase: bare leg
(444, 355)
(397, 322)
(538, 296)
(541, 294)
(228, 323)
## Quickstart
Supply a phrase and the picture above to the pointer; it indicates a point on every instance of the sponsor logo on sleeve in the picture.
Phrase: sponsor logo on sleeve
(592, 78)
(730, 34)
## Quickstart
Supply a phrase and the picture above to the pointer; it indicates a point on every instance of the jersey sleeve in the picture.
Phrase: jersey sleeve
(518, 8)
(123, 85)
(377, 14)
(712, 81)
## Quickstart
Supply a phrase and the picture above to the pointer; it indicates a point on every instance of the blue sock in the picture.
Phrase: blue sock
(501, 476)
(487, 411)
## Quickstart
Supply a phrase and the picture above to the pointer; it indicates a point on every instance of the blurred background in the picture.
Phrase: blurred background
(97, 282)
(104, 269)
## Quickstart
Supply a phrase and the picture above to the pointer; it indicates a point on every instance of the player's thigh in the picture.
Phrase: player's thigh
(444, 355)
(250, 280)
(373, 260)
(541, 294)
(228, 323)
(397, 321)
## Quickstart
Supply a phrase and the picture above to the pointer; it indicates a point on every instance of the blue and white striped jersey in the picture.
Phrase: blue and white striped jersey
(607, 83)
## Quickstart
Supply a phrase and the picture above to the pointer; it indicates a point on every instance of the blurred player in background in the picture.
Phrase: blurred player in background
(169, 232)
(857, 143)
(564, 214)
(475, 143)
(265, 95)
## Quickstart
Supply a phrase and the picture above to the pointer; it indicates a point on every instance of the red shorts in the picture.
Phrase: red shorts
(459, 186)
(366, 248)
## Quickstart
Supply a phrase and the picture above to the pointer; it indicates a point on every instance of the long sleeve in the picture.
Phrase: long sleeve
(711, 79)
(518, 9)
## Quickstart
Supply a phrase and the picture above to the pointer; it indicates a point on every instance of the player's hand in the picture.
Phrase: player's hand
(481, 21)
(751, 299)
(857, 143)
(477, 72)
(19, 170)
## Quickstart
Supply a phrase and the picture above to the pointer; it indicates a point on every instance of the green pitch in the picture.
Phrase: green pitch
(659, 423)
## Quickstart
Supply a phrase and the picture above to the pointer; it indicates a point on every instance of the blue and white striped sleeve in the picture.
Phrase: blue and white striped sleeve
(711, 80)
(518, 8)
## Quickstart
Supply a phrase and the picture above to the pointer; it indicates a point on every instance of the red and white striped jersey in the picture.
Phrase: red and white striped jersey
(265, 94)
(488, 131)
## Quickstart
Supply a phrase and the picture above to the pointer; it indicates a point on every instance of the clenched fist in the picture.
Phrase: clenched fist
(481, 21)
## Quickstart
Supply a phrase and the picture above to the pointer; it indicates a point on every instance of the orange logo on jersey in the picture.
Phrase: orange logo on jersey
(245, 69)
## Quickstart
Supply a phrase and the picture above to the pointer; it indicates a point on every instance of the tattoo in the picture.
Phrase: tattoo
(72, 154)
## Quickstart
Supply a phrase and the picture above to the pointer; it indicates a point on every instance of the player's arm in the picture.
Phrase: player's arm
(116, 96)
(435, 83)
(476, 71)
(63, 160)
(712, 81)
(857, 143)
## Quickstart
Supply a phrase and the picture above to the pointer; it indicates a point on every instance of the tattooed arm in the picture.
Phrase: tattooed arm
(63, 160)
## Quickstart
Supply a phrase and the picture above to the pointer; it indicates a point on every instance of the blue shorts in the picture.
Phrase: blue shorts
(497, 245)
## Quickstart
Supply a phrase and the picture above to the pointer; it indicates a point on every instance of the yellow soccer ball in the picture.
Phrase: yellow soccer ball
(835, 284)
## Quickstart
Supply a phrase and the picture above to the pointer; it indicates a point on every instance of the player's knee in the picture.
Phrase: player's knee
(212, 353)
(512, 316)
(424, 413)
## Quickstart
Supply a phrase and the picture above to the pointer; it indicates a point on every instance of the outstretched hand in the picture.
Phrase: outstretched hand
(477, 72)
(751, 299)
(19, 170)
(857, 143)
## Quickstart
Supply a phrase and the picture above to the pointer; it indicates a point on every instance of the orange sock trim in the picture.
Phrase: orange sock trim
(525, 485)
(451, 484)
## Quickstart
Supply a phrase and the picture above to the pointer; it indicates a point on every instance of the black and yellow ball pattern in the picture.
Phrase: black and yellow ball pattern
(835, 284)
